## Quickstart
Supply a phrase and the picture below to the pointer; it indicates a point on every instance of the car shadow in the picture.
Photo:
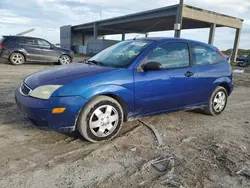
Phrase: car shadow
(5, 61)
(197, 111)
(37, 63)
(74, 135)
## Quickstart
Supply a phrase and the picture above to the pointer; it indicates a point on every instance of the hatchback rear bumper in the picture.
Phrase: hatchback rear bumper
(5, 54)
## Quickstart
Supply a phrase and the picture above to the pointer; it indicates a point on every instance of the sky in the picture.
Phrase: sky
(46, 16)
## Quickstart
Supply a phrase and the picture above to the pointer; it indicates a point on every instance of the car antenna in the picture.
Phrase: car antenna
(148, 28)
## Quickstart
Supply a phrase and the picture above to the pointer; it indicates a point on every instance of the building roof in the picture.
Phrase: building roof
(161, 19)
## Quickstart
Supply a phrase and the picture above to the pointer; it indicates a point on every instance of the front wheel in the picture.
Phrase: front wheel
(64, 59)
(217, 102)
(101, 119)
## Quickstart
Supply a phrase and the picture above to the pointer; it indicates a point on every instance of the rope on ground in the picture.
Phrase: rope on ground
(154, 131)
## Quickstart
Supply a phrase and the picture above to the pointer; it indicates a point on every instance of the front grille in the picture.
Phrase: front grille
(24, 89)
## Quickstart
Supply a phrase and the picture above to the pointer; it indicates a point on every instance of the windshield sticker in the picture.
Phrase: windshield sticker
(141, 44)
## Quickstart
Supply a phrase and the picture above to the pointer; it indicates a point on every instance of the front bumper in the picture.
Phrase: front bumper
(38, 111)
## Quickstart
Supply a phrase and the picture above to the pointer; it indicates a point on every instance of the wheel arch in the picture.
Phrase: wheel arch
(66, 55)
(226, 83)
(226, 86)
(16, 51)
(120, 101)
(111, 95)
(116, 97)
(122, 95)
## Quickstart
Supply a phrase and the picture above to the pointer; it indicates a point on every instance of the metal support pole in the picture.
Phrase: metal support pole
(95, 31)
(123, 36)
(146, 35)
(236, 44)
(211, 34)
(178, 20)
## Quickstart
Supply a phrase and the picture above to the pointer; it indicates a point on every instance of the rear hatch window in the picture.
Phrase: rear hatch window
(8, 39)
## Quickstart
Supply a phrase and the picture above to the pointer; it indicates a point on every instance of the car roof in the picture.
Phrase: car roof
(173, 39)
(12, 36)
(20, 36)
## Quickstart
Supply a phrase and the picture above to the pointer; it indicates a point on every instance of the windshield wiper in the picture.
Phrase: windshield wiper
(94, 62)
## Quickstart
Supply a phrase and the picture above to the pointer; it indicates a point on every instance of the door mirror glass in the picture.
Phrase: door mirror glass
(152, 66)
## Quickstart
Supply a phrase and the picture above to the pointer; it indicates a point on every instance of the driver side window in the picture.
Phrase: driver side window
(171, 55)
(43, 43)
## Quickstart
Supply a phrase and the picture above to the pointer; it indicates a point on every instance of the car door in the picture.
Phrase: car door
(48, 52)
(30, 48)
(172, 87)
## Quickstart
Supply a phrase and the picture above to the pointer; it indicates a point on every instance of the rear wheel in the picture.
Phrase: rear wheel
(101, 119)
(64, 59)
(17, 58)
(218, 101)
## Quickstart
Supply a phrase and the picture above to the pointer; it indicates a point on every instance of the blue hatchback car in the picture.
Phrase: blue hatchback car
(131, 79)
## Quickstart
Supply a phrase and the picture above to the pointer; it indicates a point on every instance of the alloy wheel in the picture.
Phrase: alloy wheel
(17, 59)
(64, 60)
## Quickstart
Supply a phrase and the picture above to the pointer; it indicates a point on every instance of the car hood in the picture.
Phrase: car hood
(64, 74)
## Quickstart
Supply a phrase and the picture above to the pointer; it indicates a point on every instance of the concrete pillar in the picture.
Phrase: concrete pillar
(211, 34)
(146, 35)
(236, 44)
(123, 36)
(178, 20)
(95, 31)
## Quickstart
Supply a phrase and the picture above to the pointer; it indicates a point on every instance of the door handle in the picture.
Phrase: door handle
(189, 74)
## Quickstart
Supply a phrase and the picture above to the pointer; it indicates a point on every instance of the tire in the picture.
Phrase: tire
(242, 64)
(96, 124)
(64, 59)
(17, 58)
(217, 102)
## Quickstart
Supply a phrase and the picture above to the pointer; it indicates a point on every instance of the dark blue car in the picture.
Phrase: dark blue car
(131, 79)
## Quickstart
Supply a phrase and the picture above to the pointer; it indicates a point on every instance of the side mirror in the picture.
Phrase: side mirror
(152, 66)
(51, 47)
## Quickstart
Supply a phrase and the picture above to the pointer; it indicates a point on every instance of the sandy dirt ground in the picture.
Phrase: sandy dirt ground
(203, 151)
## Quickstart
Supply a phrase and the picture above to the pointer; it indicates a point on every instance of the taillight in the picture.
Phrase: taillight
(2, 47)
(220, 53)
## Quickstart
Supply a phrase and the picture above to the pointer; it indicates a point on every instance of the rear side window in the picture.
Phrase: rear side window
(204, 55)
(29, 41)
(2, 39)
(171, 55)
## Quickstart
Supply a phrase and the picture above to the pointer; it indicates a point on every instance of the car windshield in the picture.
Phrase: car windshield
(121, 54)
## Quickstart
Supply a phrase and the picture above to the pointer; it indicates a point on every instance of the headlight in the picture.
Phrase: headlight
(44, 92)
